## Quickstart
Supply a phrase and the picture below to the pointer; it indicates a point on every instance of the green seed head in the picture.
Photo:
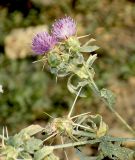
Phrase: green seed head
(63, 125)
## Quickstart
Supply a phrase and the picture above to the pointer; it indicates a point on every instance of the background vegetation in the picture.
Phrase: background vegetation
(29, 91)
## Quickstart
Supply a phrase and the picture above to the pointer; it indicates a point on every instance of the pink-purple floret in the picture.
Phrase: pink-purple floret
(61, 30)
(43, 42)
(64, 28)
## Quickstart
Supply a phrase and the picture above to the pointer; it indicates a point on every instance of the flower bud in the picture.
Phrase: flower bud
(73, 44)
(54, 59)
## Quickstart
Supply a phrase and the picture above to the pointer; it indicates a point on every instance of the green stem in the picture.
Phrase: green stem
(71, 110)
(90, 142)
(75, 144)
(122, 120)
(95, 89)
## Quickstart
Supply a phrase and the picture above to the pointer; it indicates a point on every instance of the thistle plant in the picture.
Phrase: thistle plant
(63, 52)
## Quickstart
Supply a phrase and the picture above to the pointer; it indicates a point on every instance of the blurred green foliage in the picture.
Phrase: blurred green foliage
(29, 91)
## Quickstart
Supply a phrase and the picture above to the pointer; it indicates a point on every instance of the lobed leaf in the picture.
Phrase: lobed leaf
(74, 89)
(109, 96)
(9, 152)
(114, 151)
(15, 141)
(32, 145)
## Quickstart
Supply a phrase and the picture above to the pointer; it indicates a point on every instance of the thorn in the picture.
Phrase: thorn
(37, 61)
(48, 115)
(80, 115)
(3, 133)
(43, 67)
(89, 41)
(56, 79)
(6, 132)
(53, 135)
(84, 36)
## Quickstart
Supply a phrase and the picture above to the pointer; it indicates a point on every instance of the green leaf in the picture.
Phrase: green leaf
(74, 89)
(114, 151)
(91, 60)
(77, 59)
(51, 157)
(117, 139)
(109, 96)
(32, 145)
(99, 125)
(24, 135)
(31, 130)
(62, 70)
(42, 153)
(54, 59)
(96, 125)
(88, 48)
(79, 71)
(10, 152)
(15, 141)
(84, 134)
(25, 155)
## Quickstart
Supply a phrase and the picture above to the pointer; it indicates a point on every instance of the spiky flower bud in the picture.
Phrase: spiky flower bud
(63, 125)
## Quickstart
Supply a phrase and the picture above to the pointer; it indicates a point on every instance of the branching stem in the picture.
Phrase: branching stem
(94, 87)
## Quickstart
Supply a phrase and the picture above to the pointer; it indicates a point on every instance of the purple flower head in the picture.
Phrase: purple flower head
(64, 28)
(43, 42)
